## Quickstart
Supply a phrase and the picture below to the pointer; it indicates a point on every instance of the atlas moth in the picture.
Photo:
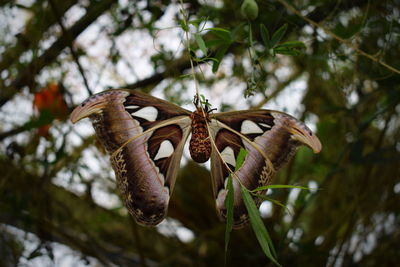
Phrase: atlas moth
(145, 137)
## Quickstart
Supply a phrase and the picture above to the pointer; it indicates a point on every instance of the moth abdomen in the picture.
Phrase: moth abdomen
(200, 144)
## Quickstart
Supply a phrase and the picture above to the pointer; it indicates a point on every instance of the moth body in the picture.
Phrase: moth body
(200, 144)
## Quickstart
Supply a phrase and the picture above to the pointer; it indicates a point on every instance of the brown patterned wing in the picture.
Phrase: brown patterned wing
(145, 137)
(269, 137)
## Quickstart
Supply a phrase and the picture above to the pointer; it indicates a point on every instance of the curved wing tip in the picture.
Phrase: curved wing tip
(316, 145)
(96, 103)
(92, 105)
(75, 115)
(306, 137)
(312, 142)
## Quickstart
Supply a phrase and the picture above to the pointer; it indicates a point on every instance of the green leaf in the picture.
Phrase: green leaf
(265, 36)
(212, 59)
(289, 48)
(195, 22)
(276, 202)
(222, 34)
(216, 42)
(258, 226)
(286, 51)
(277, 36)
(229, 200)
(348, 31)
(184, 26)
(185, 75)
(218, 56)
(292, 44)
(200, 42)
(265, 187)
(240, 158)
(238, 31)
(217, 29)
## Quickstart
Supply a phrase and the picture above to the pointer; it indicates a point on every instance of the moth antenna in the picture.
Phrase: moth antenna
(206, 106)
(196, 100)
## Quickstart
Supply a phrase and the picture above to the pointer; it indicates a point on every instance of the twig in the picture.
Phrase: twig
(138, 242)
(71, 48)
(278, 89)
(27, 76)
(340, 39)
(189, 51)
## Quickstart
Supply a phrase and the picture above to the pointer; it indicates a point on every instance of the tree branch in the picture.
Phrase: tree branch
(27, 76)
(340, 39)
(33, 32)
(55, 214)
(71, 48)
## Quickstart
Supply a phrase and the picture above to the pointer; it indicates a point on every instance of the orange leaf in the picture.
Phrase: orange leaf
(50, 99)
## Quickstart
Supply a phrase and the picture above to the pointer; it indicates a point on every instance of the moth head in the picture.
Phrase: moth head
(201, 103)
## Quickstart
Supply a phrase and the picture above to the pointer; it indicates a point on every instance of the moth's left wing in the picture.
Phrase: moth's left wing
(145, 137)
(269, 137)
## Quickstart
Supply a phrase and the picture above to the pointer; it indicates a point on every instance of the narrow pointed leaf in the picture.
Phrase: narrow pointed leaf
(195, 22)
(184, 26)
(229, 200)
(240, 158)
(219, 55)
(277, 36)
(217, 29)
(258, 226)
(222, 34)
(292, 44)
(265, 36)
(276, 202)
(265, 187)
(286, 51)
(200, 42)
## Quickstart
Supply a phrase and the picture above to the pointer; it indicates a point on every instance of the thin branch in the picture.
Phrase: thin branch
(177, 69)
(26, 77)
(14, 131)
(186, 19)
(138, 241)
(73, 218)
(33, 32)
(278, 89)
(340, 39)
(69, 40)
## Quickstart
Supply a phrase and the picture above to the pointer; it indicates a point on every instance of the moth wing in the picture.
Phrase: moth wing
(269, 137)
(145, 137)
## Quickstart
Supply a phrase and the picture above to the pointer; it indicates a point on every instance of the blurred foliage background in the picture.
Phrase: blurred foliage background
(58, 202)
